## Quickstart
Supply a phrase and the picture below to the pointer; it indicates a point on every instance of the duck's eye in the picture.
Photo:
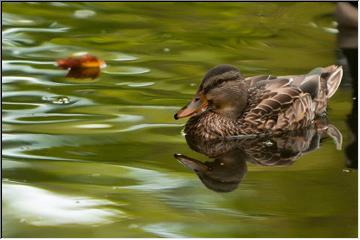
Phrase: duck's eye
(197, 99)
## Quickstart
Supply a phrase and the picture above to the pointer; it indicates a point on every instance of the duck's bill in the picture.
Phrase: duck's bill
(198, 104)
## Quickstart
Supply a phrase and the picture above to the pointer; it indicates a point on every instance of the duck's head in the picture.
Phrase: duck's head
(220, 91)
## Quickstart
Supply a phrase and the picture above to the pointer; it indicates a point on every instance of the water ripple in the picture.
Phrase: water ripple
(45, 50)
(32, 80)
(84, 13)
(152, 180)
(124, 57)
(16, 30)
(13, 148)
(39, 109)
(127, 118)
(148, 125)
(38, 118)
(29, 62)
(136, 84)
(94, 126)
(166, 229)
(15, 20)
(122, 70)
(28, 69)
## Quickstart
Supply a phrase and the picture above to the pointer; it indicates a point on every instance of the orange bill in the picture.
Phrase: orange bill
(198, 104)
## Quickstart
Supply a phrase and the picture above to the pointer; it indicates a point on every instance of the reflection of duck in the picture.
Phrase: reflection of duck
(230, 155)
(228, 104)
(223, 174)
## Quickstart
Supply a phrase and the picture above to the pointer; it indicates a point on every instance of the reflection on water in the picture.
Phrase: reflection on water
(39, 207)
(83, 73)
(108, 142)
(347, 41)
(226, 171)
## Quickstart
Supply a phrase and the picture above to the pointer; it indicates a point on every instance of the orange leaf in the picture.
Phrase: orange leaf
(81, 61)
(83, 73)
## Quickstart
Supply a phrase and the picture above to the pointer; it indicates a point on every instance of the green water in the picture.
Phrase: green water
(103, 166)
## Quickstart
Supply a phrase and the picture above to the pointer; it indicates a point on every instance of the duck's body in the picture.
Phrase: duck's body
(227, 104)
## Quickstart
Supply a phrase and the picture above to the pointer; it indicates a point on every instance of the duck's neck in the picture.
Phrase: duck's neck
(211, 125)
(230, 103)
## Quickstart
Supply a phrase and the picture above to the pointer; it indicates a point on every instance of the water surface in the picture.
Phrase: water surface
(101, 164)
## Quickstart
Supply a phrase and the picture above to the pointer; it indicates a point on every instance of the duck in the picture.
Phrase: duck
(228, 104)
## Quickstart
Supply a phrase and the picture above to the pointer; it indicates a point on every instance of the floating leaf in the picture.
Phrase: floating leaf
(82, 60)
(93, 72)
(81, 65)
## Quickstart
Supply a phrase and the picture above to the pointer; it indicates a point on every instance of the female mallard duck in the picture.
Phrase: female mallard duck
(227, 104)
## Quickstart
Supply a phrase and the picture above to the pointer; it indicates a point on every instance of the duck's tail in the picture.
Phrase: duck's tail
(332, 76)
(322, 83)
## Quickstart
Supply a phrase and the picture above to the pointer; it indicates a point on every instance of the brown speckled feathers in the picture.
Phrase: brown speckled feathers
(277, 106)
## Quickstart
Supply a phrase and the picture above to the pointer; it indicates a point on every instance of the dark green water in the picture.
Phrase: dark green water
(103, 166)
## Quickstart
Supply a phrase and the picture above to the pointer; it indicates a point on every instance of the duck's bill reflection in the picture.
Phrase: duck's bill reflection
(222, 175)
(227, 164)
(191, 163)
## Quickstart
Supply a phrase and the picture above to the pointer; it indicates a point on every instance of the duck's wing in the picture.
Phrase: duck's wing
(320, 83)
(330, 78)
(253, 81)
(277, 105)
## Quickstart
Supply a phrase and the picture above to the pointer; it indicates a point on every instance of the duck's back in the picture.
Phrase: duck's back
(288, 102)
(321, 83)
